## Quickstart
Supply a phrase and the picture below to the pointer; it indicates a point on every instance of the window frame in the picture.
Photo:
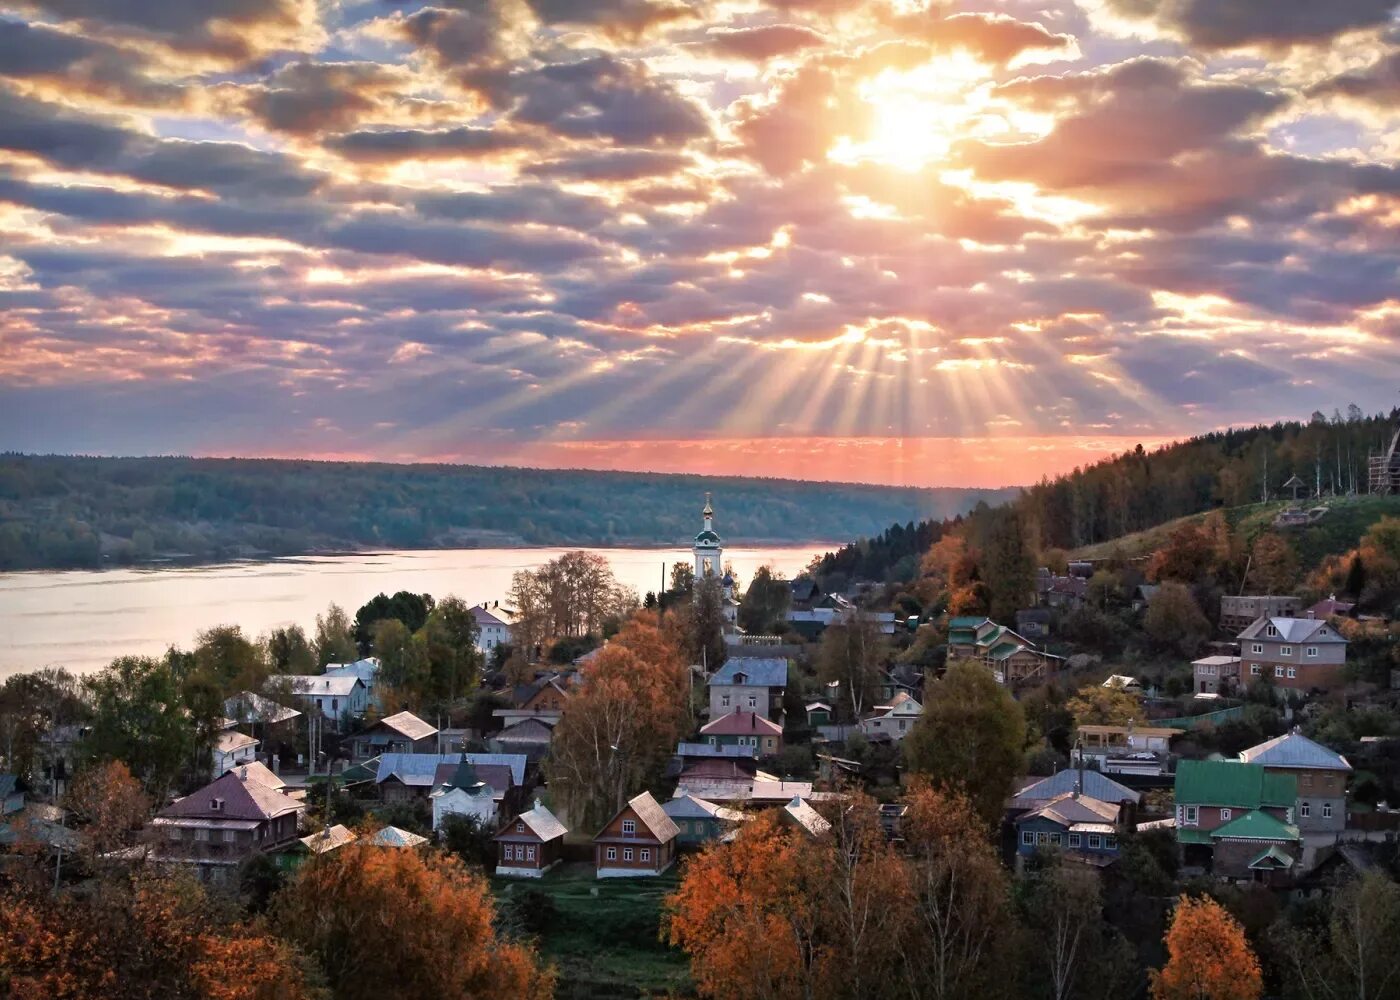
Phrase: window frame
(627, 853)
(629, 826)
(1225, 813)
(612, 853)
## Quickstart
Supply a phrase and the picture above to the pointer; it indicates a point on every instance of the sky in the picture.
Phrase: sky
(895, 242)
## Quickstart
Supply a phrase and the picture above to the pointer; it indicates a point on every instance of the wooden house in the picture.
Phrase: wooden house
(531, 844)
(700, 820)
(745, 729)
(640, 840)
(403, 732)
(1237, 819)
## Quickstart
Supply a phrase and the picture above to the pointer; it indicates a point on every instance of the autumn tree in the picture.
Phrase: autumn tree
(1074, 952)
(1187, 557)
(1100, 706)
(1208, 957)
(852, 653)
(621, 724)
(971, 731)
(1174, 620)
(430, 920)
(108, 805)
(962, 903)
(1273, 565)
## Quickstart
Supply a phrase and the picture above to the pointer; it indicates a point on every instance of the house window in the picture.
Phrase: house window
(1326, 810)
(1305, 809)
(724, 701)
(1056, 839)
(1254, 669)
(1095, 842)
(1027, 838)
(1224, 815)
(335, 704)
(1110, 843)
(530, 852)
(1311, 652)
(1278, 671)
(1257, 648)
(519, 827)
(629, 826)
(714, 742)
(1075, 840)
(903, 724)
(1292, 671)
(1272, 631)
(1285, 651)
(612, 853)
(683, 826)
(201, 833)
(228, 836)
(510, 853)
(1191, 815)
(646, 853)
(753, 701)
(627, 854)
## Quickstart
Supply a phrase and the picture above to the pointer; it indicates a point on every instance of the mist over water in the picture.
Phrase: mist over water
(82, 619)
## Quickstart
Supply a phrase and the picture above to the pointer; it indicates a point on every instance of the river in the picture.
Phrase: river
(82, 619)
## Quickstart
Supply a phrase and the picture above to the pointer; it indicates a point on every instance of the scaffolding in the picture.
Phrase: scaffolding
(1385, 468)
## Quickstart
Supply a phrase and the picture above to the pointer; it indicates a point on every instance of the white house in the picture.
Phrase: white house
(493, 627)
(232, 748)
(464, 794)
(333, 696)
(367, 670)
(892, 721)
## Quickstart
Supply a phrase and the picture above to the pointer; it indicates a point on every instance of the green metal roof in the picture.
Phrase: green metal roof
(1275, 855)
(1256, 825)
(962, 635)
(966, 621)
(1002, 650)
(1231, 783)
(1185, 836)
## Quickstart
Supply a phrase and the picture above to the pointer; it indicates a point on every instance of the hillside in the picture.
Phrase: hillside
(59, 511)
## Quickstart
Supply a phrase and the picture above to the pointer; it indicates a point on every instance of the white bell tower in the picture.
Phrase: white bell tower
(709, 548)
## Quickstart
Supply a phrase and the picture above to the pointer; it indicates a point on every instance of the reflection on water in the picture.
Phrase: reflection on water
(81, 619)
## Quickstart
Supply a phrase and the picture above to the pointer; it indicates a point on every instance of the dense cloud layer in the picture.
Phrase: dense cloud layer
(587, 232)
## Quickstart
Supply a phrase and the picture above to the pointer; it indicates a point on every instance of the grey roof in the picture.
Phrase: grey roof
(542, 823)
(419, 768)
(1295, 750)
(1294, 630)
(231, 798)
(408, 724)
(366, 669)
(322, 684)
(799, 812)
(705, 750)
(759, 671)
(649, 811)
(1096, 785)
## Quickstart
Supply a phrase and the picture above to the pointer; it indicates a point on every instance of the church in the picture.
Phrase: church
(709, 563)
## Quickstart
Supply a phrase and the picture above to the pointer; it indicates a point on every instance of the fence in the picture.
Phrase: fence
(1192, 721)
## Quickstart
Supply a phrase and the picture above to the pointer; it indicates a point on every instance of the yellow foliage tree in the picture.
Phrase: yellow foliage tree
(1208, 957)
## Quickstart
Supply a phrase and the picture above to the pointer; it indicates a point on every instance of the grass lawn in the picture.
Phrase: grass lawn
(604, 940)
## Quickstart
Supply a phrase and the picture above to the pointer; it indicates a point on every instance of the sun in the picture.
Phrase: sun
(915, 116)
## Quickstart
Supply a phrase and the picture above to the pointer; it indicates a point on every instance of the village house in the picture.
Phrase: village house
(1066, 593)
(531, 844)
(1013, 659)
(403, 777)
(333, 697)
(530, 737)
(396, 838)
(1037, 792)
(1122, 682)
(818, 714)
(545, 700)
(366, 669)
(248, 708)
(700, 820)
(1302, 654)
(800, 815)
(1236, 820)
(1078, 826)
(1330, 607)
(1238, 612)
(902, 678)
(400, 733)
(217, 828)
(258, 771)
(744, 729)
(1215, 674)
(893, 721)
(1321, 774)
(463, 793)
(492, 627)
(750, 684)
(1034, 623)
(332, 838)
(640, 840)
(230, 749)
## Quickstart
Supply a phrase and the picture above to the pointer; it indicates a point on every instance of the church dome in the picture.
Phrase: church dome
(706, 537)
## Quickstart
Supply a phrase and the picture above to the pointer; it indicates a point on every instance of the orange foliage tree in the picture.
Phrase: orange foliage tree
(630, 707)
(109, 804)
(1208, 957)
(397, 924)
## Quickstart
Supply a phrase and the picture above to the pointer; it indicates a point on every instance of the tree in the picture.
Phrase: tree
(430, 918)
(1356, 577)
(108, 805)
(453, 659)
(1101, 706)
(139, 717)
(703, 620)
(962, 897)
(287, 651)
(852, 653)
(403, 660)
(765, 606)
(30, 704)
(335, 639)
(226, 655)
(1174, 620)
(1208, 957)
(621, 725)
(1353, 954)
(1274, 567)
(1008, 565)
(1074, 951)
(409, 609)
(971, 732)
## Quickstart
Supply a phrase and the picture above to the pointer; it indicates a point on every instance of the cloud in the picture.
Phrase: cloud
(760, 43)
(304, 98)
(80, 64)
(1212, 24)
(1377, 84)
(465, 142)
(625, 18)
(996, 38)
(612, 165)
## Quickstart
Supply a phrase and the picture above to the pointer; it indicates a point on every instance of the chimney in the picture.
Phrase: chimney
(753, 720)
(243, 773)
(1078, 770)
(537, 802)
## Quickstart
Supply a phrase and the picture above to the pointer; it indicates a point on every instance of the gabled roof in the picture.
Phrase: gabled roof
(741, 724)
(328, 839)
(758, 671)
(419, 768)
(1293, 630)
(1330, 606)
(527, 730)
(256, 770)
(1273, 857)
(232, 741)
(1068, 810)
(484, 617)
(365, 669)
(1233, 783)
(1096, 784)
(1293, 749)
(685, 806)
(231, 798)
(652, 816)
(813, 823)
(322, 685)
(1255, 825)
(249, 706)
(407, 724)
(392, 836)
(540, 821)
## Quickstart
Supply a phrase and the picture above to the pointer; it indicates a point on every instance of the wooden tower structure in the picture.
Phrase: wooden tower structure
(1385, 468)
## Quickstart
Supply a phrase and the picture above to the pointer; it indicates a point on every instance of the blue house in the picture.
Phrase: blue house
(1084, 828)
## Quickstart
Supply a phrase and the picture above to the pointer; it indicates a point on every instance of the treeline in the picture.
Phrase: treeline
(1141, 489)
(68, 512)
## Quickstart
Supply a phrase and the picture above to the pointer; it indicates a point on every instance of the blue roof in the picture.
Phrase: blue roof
(758, 672)
(1096, 785)
(426, 764)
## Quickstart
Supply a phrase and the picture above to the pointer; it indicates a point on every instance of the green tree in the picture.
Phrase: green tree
(1174, 620)
(225, 654)
(403, 659)
(139, 717)
(765, 606)
(335, 639)
(451, 633)
(1353, 954)
(971, 733)
(409, 609)
(1008, 564)
(287, 651)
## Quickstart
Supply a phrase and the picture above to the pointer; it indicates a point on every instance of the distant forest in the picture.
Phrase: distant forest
(1141, 489)
(72, 512)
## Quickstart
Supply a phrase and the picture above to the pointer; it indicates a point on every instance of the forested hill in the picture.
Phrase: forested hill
(1141, 489)
(58, 511)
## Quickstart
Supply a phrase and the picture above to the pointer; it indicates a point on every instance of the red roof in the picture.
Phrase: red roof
(742, 724)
